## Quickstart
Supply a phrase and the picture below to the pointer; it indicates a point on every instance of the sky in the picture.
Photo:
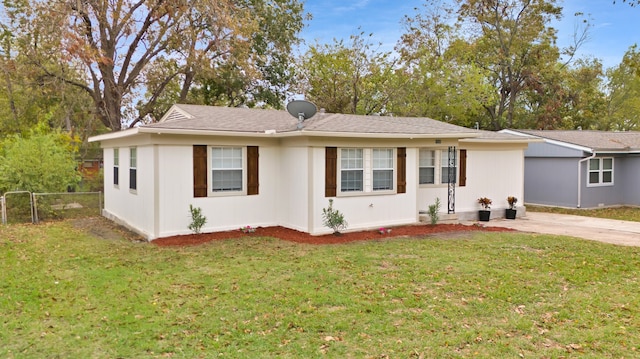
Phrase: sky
(615, 26)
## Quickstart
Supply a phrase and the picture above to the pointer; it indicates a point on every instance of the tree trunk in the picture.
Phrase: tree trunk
(12, 103)
(186, 85)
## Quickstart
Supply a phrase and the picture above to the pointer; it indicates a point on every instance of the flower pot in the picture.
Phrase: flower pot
(510, 213)
(483, 215)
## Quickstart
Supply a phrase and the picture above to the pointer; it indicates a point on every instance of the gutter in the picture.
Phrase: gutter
(593, 154)
(115, 135)
(500, 140)
(302, 133)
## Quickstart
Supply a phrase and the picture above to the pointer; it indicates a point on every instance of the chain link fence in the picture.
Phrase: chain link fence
(24, 207)
(17, 207)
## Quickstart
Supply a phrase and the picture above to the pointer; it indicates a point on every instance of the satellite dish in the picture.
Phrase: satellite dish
(301, 110)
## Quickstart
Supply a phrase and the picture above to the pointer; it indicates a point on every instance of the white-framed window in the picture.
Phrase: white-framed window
(351, 170)
(133, 168)
(433, 167)
(382, 169)
(225, 170)
(600, 171)
(366, 170)
(227, 174)
(427, 166)
(444, 164)
(116, 167)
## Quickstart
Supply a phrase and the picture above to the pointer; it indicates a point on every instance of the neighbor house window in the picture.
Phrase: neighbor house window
(225, 170)
(601, 171)
(351, 170)
(116, 166)
(133, 168)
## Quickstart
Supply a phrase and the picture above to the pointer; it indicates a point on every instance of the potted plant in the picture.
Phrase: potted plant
(511, 211)
(484, 214)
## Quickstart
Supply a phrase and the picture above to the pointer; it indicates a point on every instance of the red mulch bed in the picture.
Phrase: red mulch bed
(301, 237)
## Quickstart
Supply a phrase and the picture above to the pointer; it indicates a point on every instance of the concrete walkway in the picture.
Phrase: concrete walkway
(613, 231)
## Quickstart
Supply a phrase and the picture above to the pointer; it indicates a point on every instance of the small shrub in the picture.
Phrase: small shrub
(433, 212)
(512, 201)
(197, 219)
(333, 219)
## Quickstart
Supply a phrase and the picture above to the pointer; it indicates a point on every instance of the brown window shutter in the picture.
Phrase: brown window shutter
(463, 168)
(252, 170)
(331, 171)
(402, 170)
(200, 171)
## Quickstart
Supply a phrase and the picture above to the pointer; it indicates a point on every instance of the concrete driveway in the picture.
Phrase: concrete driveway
(613, 231)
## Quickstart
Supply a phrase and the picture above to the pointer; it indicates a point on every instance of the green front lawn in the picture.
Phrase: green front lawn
(622, 213)
(64, 293)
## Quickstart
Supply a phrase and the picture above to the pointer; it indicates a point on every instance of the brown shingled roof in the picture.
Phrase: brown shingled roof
(197, 117)
(595, 140)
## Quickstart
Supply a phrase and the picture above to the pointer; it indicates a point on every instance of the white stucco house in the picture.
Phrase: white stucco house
(257, 167)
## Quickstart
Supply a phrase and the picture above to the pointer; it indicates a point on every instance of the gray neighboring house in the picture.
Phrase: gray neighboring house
(583, 169)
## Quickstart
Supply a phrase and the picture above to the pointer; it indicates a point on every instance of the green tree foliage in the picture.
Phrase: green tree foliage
(27, 97)
(495, 63)
(445, 89)
(228, 55)
(585, 103)
(113, 47)
(565, 97)
(348, 78)
(623, 88)
(513, 42)
(89, 66)
(39, 162)
(443, 81)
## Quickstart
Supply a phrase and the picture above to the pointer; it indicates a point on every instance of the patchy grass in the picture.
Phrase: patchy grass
(622, 213)
(65, 293)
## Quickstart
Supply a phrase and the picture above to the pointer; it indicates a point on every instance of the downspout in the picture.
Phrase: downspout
(593, 154)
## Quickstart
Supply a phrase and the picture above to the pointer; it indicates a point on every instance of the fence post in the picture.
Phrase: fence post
(3, 211)
(34, 205)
